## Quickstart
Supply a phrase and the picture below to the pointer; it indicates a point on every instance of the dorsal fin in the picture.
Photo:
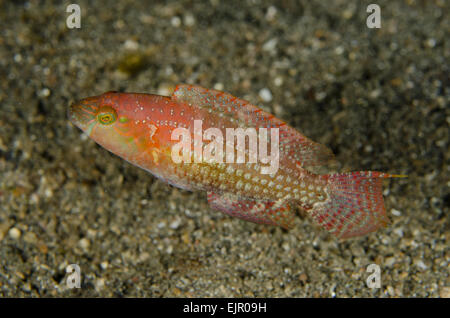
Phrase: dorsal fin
(295, 148)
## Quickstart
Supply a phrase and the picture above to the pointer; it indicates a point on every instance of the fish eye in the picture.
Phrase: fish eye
(106, 115)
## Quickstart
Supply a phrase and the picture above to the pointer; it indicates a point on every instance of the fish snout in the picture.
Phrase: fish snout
(82, 113)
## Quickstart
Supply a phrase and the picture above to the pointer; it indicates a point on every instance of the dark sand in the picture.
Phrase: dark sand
(378, 97)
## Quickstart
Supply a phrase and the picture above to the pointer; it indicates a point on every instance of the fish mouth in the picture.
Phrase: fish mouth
(82, 114)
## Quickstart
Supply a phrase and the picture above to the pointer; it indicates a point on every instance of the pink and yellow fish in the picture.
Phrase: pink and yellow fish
(139, 127)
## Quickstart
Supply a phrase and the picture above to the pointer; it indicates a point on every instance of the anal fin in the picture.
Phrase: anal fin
(256, 211)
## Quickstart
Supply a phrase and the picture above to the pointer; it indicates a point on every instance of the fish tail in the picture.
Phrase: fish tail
(355, 203)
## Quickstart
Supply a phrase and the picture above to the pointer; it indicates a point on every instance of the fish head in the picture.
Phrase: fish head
(108, 121)
(95, 114)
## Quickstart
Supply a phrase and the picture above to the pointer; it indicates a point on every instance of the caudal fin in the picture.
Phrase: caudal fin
(355, 205)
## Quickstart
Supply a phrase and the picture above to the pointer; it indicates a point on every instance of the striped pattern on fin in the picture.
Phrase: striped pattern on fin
(355, 205)
(263, 212)
(295, 148)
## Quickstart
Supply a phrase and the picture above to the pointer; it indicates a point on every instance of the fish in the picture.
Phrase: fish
(140, 128)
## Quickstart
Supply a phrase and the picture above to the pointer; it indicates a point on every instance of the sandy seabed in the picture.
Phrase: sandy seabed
(377, 97)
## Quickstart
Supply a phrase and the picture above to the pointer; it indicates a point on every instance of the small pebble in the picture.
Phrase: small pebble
(431, 42)
(30, 237)
(175, 21)
(218, 86)
(368, 148)
(17, 58)
(165, 89)
(320, 96)
(270, 45)
(271, 13)
(104, 265)
(14, 233)
(399, 232)
(445, 292)
(389, 261)
(45, 92)
(390, 290)
(420, 264)
(339, 50)
(84, 243)
(131, 45)
(99, 284)
(265, 95)
(278, 81)
(161, 225)
(189, 20)
(375, 93)
(175, 224)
